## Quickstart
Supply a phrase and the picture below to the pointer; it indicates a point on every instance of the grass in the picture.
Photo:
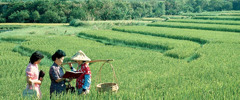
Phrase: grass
(35, 24)
(198, 36)
(237, 18)
(174, 16)
(108, 24)
(153, 19)
(148, 42)
(215, 27)
(205, 21)
(210, 73)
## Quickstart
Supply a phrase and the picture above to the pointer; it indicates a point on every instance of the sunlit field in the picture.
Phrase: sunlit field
(171, 59)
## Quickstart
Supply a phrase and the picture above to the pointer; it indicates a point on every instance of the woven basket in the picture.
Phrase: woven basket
(106, 87)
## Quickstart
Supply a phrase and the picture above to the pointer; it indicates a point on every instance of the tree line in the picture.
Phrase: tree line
(62, 11)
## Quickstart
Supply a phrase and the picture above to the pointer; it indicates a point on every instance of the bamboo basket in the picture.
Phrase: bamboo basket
(107, 87)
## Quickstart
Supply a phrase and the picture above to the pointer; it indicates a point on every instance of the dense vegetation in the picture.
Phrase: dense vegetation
(61, 11)
(45, 11)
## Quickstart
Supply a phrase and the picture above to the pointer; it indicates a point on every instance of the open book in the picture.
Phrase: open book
(73, 75)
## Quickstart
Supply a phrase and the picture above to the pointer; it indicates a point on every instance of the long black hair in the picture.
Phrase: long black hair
(36, 56)
(58, 54)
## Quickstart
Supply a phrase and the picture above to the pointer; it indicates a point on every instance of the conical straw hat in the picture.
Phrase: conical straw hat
(80, 56)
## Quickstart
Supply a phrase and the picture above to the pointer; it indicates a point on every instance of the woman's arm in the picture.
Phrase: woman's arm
(30, 81)
(60, 79)
(71, 67)
(30, 74)
(54, 75)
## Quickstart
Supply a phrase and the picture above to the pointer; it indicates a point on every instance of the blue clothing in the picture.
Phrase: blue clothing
(81, 90)
(55, 73)
(87, 79)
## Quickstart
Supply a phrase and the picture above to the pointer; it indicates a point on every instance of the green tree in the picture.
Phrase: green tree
(50, 17)
(198, 9)
(216, 5)
(35, 16)
(119, 11)
(172, 7)
(14, 7)
(2, 20)
(227, 5)
(19, 16)
(78, 13)
(236, 4)
(159, 9)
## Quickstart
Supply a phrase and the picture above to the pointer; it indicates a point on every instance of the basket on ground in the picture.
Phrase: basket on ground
(106, 87)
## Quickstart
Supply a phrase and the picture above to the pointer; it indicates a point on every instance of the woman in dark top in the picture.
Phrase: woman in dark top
(56, 72)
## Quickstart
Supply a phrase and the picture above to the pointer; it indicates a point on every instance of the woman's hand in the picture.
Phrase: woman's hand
(70, 79)
(41, 79)
(70, 65)
(36, 82)
(60, 79)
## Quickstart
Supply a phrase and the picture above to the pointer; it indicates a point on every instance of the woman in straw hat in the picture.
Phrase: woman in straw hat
(56, 72)
(84, 81)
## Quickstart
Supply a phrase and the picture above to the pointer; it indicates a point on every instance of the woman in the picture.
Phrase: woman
(84, 81)
(56, 72)
(32, 72)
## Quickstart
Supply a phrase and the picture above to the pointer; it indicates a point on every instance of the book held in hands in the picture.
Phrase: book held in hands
(73, 75)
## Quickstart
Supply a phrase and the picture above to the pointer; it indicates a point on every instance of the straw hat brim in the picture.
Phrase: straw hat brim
(80, 56)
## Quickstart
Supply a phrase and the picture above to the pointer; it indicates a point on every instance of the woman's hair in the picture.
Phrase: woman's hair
(58, 54)
(36, 56)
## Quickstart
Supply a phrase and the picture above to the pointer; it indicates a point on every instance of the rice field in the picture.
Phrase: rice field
(38, 24)
(182, 59)
(236, 18)
(215, 27)
(223, 22)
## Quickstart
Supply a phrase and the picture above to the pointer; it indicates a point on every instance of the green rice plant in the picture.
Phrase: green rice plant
(224, 22)
(198, 36)
(93, 50)
(201, 14)
(218, 17)
(231, 11)
(151, 42)
(152, 19)
(174, 17)
(13, 39)
(215, 27)
(142, 74)
(229, 14)
(212, 13)
(10, 27)
(108, 24)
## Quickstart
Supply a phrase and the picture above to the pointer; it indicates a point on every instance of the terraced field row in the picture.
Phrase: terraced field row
(10, 27)
(230, 14)
(170, 47)
(224, 22)
(216, 13)
(237, 18)
(198, 36)
(215, 27)
(11, 63)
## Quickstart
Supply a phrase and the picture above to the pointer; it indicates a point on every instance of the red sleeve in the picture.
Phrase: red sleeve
(87, 69)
